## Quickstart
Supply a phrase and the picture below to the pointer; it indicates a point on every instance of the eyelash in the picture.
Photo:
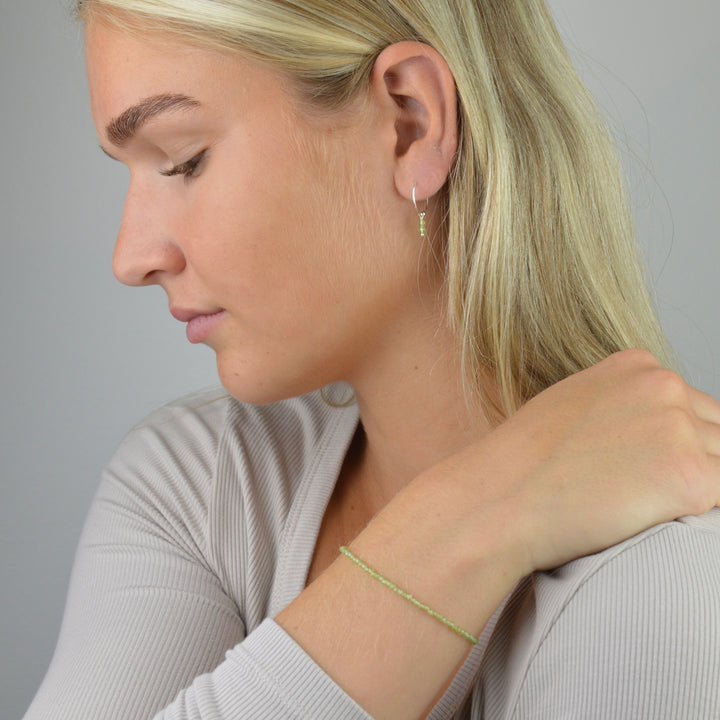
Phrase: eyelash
(188, 169)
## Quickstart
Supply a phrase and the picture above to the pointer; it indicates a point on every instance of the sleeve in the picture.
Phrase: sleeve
(639, 639)
(266, 677)
(147, 614)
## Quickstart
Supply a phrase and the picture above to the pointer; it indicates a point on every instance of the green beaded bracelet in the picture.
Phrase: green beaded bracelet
(426, 608)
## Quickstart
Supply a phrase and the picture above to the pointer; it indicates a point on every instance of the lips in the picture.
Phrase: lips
(199, 323)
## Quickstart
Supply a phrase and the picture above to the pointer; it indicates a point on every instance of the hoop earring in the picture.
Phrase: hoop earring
(422, 223)
(338, 406)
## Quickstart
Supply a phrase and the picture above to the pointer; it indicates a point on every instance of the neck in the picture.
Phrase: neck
(413, 414)
(413, 411)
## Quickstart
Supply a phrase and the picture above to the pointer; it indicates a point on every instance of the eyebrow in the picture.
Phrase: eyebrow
(124, 126)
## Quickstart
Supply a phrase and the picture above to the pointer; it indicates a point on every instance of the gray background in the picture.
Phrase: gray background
(83, 358)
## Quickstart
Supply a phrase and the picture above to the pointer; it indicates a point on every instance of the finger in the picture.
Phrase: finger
(705, 406)
(714, 479)
(710, 433)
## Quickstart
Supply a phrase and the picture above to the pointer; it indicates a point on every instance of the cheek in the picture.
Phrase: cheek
(271, 216)
(293, 234)
(275, 268)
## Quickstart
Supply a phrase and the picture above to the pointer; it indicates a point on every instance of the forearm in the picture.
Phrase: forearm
(391, 657)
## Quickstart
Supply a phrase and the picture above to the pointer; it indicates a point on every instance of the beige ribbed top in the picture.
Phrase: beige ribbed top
(204, 526)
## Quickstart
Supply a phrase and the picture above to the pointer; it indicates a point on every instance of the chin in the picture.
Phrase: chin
(260, 383)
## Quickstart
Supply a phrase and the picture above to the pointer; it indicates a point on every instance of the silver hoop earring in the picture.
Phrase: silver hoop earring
(422, 223)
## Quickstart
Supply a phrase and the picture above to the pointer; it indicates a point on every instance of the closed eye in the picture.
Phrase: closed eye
(188, 169)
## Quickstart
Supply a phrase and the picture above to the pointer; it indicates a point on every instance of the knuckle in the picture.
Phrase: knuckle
(666, 387)
(631, 368)
(635, 357)
(676, 425)
(669, 381)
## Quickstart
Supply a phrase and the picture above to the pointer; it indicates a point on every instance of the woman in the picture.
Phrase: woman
(417, 199)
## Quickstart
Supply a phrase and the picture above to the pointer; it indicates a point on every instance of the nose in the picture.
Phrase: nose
(145, 249)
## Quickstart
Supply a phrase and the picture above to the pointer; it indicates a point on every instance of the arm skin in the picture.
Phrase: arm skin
(347, 609)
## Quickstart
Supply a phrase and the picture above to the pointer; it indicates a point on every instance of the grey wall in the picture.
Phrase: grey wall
(84, 358)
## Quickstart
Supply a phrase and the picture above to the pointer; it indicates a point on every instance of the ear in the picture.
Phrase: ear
(416, 84)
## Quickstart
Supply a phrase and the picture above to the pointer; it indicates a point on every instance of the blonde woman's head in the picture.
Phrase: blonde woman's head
(542, 273)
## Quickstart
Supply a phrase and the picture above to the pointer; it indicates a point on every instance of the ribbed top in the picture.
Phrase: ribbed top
(204, 527)
(633, 632)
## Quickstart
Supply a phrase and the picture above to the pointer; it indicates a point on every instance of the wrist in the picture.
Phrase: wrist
(451, 550)
(432, 544)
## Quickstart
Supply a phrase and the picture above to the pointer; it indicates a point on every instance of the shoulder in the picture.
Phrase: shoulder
(187, 429)
(196, 467)
(190, 445)
(167, 460)
(633, 631)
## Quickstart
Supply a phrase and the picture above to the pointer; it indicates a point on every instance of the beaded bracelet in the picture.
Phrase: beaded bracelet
(426, 608)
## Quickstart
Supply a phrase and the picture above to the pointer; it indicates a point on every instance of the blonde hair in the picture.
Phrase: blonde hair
(543, 273)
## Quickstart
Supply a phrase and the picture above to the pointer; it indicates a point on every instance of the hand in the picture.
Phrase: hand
(597, 458)
(589, 462)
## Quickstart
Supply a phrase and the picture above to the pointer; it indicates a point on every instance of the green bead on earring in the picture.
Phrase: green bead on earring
(422, 222)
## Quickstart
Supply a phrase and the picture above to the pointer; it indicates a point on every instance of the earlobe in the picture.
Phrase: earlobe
(417, 81)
